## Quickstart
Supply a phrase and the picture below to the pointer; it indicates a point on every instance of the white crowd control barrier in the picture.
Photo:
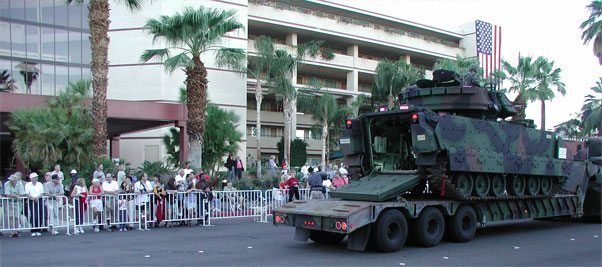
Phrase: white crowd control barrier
(183, 207)
(20, 214)
(118, 211)
(140, 210)
(237, 204)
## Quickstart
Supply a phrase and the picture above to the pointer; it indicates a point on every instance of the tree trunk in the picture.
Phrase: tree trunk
(258, 99)
(196, 92)
(391, 98)
(521, 106)
(324, 140)
(543, 115)
(288, 110)
(98, 18)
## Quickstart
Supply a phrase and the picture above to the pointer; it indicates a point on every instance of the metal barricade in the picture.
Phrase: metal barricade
(238, 204)
(21, 214)
(185, 208)
(115, 211)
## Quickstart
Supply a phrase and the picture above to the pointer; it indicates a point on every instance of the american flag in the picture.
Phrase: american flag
(489, 47)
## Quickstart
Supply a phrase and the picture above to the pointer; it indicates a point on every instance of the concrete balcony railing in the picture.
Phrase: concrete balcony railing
(412, 42)
(339, 61)
(272, 117)
(270, 143)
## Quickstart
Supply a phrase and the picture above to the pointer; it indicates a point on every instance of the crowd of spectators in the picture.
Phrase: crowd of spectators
(115, 202)
(30, 204)
(319, 181)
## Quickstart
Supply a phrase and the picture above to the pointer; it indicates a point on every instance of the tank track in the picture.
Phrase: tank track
(442, 185)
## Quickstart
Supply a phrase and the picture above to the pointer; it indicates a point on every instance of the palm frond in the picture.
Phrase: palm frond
(233, 58)
(181, 60)
(160, 54)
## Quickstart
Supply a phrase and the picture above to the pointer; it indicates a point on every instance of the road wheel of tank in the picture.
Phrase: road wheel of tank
(390, 231)
(324, 237)
(533, 185)
(463, 225)
(516, 186)
(482, 184)
(546, 185)
(430, 227)
(463, 183)
(498, 185)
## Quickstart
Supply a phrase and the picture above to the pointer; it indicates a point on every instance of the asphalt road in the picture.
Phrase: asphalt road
(243, 242)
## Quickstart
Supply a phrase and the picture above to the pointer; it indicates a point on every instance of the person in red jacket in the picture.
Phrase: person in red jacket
(293, 187)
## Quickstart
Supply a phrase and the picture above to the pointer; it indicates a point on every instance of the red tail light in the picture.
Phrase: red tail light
(348, 124)
(338, 225)
(344, 226)
(414, 118)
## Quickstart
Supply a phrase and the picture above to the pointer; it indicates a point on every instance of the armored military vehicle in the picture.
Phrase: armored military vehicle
(447, 159)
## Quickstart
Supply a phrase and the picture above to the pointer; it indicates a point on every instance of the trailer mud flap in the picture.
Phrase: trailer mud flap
(358, 239)
(302, 234)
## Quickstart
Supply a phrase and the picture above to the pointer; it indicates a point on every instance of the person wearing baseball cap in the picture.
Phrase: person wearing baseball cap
(34, 191)
(14, 189)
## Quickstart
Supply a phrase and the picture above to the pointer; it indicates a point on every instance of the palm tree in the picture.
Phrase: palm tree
(7, 83)
(260, 71)
(281, 82)
(392, 77)
(98, 19)
(30, 73)
(591, 111)
(60, 132)
(592, 28)
(522, 80)
(546, 78)
(325, 111)
(570, 129)
(460, 65)
(192, 33)
(171, 142)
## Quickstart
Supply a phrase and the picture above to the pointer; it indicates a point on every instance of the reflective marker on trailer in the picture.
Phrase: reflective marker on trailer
(344, 226)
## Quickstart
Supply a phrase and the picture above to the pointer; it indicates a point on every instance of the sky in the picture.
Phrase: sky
(529, 27)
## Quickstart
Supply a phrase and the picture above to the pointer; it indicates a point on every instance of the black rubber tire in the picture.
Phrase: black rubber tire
(516, 185)
(323, 237)
(462, 226)
(533, 185)
(390, 231)
(430, 227)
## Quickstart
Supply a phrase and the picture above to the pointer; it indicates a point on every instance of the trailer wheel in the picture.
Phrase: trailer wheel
(430, 227)
(463, 225)
(323, 237)
(390, 231)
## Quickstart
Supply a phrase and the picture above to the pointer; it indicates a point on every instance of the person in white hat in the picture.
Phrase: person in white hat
(34, 191)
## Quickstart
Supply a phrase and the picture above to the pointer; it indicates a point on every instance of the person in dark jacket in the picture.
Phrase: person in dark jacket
(231, 166)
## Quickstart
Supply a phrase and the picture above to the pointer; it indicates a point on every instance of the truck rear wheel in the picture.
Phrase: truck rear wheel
(430, 227)
(390, 231)
(463, 225)
(324, 237)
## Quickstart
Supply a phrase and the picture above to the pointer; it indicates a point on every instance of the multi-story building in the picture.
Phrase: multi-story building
(51, 39)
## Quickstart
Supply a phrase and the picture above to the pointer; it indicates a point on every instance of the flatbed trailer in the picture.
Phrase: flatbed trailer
(387, 224)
